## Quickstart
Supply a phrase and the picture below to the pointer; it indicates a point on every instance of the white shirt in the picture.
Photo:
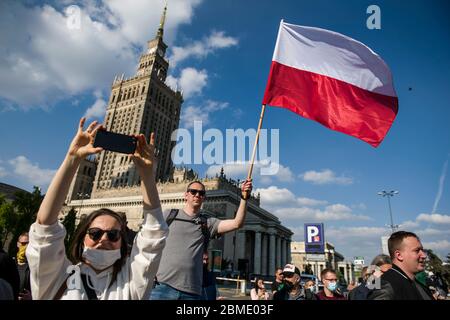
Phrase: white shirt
(48, 263)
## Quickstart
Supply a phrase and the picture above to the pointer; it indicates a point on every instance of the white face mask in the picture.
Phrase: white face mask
(101, 259)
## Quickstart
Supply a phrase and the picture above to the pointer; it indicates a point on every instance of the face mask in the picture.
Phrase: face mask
(101, 259)
(312, 289)
(332, 286)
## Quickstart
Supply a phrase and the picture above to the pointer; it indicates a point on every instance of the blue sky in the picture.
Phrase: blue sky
(220, 54)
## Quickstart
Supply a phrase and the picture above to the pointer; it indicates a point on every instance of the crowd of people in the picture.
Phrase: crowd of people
(167, 258)
(399, 276)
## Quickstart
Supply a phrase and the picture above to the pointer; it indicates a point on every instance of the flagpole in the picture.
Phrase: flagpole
(250, 169)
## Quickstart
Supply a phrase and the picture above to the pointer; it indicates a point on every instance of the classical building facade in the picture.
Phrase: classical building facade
(144, 104)
(317, 262)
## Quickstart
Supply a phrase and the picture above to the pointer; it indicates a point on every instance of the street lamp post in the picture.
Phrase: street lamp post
(390, 194)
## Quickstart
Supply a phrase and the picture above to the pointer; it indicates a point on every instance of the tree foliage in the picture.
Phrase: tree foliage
(435, 265)
(69, 223)
(17, 217)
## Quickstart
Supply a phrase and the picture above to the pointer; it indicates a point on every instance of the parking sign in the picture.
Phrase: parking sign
(314, 238)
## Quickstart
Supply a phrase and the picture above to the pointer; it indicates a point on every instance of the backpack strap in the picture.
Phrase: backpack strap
(61, 289)
(89, 291)
(171, 216)
(203, 221)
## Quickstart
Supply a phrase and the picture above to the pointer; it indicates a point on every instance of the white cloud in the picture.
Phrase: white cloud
(98, 109)
(284, 174)
(3, 172)
(52, 61)
(310, 202)
(200, 49)
(428, 232)
(434, 218)
(191, 81)
(191, 114)
(407, 225)
(138, 20)
(325, 176)
(31, 172)
(200, 113)
(339, 212)
(441, 187)
(299, 232)
(336, 212)
(359, 206)
(363, 233)
(239, 169)
(231, 169)
(274, 196)
(440, 245)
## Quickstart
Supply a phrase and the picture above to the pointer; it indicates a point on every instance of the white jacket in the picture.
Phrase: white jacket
(48, 263)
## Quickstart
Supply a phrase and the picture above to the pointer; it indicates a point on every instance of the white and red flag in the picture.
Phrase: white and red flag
(334, 80)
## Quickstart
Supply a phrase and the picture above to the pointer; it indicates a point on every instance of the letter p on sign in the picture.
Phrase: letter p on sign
(311, 232)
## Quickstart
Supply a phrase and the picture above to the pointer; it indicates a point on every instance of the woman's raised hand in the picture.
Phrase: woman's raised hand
(83, 143)
(144, 156)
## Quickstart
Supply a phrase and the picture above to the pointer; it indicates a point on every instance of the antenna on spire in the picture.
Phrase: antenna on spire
(161, 23)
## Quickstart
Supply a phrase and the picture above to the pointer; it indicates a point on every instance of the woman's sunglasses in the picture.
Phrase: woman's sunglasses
(96, 234)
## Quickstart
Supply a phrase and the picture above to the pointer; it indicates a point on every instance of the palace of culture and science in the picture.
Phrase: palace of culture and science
(144, 103)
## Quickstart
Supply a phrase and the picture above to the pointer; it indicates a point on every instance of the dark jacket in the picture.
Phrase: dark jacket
(284, 294)
(396, 285)
(209, 289)
(359, 293)
(8, 272)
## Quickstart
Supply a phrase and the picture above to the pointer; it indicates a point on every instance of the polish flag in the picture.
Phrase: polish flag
(334, 80)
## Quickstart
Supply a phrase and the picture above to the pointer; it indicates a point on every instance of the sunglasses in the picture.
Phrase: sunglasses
(201, 193)
(96, 234)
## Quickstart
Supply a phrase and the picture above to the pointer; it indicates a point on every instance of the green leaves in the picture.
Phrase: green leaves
(16, 217)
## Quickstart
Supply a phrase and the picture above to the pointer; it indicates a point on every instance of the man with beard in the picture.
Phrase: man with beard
(292, 289)
(408, 258)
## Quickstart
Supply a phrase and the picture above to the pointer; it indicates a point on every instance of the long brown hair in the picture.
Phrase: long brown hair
(76, 249)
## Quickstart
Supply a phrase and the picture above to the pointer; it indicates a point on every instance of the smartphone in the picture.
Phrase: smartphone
(115, 142)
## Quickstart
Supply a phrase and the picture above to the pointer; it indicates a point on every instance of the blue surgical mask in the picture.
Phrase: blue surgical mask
(332, 286)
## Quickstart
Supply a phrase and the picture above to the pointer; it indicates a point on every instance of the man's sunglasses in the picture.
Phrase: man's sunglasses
(96, 234)
(201, 193)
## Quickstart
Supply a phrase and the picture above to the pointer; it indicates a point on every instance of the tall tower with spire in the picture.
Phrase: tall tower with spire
(143, 104)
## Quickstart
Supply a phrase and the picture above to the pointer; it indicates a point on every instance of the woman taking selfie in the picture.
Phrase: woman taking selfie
(99, 249)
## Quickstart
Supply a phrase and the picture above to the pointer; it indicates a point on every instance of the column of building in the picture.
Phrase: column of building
(272, 255)
(257, 253)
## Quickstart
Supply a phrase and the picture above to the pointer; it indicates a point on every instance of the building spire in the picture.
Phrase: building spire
(160, 32)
